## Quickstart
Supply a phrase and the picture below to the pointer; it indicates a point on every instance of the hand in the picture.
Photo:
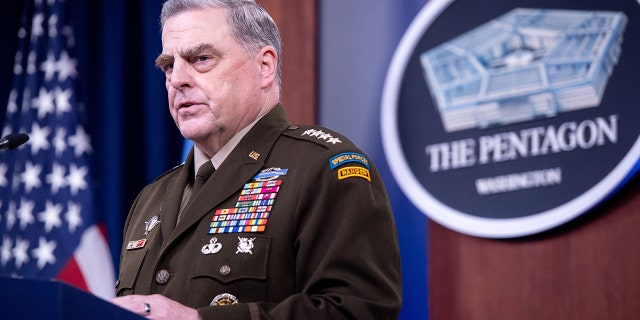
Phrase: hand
(159, 307)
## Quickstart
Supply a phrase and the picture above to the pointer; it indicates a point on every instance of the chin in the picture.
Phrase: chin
(194, 133)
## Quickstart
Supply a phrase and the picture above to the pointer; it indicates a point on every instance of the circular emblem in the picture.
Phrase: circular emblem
(162, 276)
(517, 118)
(225, 270)
(224, 299)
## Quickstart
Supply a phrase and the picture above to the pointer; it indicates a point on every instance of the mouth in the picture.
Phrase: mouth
(186, 104)
(189, 108)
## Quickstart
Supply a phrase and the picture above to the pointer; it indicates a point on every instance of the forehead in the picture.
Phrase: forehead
(193, 27)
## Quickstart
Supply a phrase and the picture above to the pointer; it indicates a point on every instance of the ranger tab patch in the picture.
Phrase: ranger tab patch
(349, 172)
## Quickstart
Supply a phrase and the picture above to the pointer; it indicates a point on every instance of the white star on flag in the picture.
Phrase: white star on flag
(31, 176)
(49, 67)
(38, 139)
(50, 217)
(44, 252)
(25, 213)
(62, 100)
(56, 178)
(19, 252)
(5, 250)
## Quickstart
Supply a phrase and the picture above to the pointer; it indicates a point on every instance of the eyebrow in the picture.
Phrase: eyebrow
(187, 54)
(163, 60)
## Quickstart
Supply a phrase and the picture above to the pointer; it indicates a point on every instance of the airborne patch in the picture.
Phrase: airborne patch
(350, 172)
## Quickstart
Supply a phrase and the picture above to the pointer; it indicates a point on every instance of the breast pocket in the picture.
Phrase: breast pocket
(129, 271)
(231, 263)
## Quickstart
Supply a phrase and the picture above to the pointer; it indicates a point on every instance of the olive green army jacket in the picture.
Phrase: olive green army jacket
(294, 224)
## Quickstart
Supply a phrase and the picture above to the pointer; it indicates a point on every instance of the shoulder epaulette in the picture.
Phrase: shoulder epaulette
(347, 160)
(316, 134)
(169, 171)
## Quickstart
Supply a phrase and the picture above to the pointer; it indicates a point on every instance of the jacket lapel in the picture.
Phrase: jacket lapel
(170, 207)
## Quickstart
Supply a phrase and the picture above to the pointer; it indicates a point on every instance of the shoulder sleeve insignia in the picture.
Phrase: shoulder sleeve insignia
(350, 172)
(347, 157)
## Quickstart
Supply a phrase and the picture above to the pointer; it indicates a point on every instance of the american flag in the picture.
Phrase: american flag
(48, 228)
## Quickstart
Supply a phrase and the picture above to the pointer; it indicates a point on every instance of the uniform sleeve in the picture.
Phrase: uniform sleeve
(346, 249)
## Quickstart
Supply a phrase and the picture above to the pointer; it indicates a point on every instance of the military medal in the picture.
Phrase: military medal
(253, 207)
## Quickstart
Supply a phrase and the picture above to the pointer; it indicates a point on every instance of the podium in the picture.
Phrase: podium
(46, 299)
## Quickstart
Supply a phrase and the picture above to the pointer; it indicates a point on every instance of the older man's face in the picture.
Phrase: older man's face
(214, 86)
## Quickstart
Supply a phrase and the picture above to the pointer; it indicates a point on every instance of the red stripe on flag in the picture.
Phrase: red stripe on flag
(72, 275)
(103, 230)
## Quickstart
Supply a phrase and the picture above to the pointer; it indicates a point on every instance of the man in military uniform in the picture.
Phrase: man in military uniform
(291, 222)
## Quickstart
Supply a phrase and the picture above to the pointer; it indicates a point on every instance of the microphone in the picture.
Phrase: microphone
(13, 140)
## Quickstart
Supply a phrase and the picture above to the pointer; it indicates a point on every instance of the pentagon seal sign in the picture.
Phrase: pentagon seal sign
(515, 119)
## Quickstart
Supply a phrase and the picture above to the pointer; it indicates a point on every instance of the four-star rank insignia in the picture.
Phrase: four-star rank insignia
(321, 135)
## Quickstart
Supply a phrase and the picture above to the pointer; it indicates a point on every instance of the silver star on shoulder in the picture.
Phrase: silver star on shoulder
(321, 135)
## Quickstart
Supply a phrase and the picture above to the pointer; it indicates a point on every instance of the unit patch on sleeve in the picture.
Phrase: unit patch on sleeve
(347, 157)
(253, 207)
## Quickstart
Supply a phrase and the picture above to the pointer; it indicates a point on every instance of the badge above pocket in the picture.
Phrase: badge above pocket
(230, 257)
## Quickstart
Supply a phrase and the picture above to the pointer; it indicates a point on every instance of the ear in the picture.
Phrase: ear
(268, 58)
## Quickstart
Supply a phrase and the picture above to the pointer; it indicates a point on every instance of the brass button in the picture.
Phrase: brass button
(162, 276)
(225, 270)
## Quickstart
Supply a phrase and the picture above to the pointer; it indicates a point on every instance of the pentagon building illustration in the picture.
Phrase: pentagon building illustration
(524, 65)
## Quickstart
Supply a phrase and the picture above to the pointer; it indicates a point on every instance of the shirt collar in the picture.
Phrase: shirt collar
(200, 158)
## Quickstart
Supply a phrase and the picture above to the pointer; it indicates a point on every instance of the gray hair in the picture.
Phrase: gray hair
(251, 25)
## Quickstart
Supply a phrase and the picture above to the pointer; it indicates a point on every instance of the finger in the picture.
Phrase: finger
(133, 303)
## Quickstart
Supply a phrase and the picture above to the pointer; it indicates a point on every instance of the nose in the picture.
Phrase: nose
(181, 76)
